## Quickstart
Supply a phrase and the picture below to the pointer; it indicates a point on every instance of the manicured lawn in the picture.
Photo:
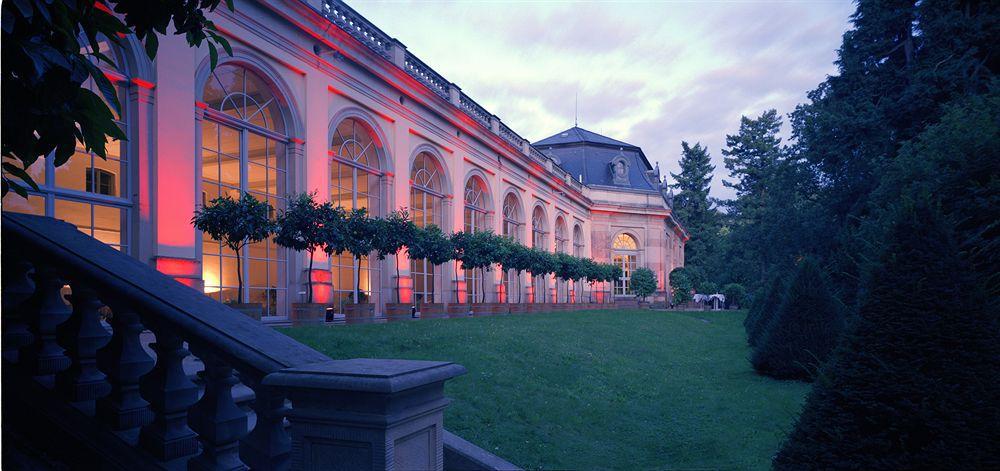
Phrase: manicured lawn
(595, 390)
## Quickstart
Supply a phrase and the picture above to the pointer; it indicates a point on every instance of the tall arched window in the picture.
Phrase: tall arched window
(476, 219)
(355, 182)
(625, 254)
(562, 241)
(92, 193)
(538, 228)
(243, 150)
(425, 204)
(512, 223)
(577, 240)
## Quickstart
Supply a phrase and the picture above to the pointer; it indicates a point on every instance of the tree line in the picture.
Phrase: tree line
(309, 226)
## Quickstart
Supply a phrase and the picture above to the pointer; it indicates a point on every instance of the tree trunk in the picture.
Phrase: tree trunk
(357, 280)
(309, 279)
(239, 275)
(482, 283)
(396, 259)
(519, 287)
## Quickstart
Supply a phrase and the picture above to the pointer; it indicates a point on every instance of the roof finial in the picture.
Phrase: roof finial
(576, 110)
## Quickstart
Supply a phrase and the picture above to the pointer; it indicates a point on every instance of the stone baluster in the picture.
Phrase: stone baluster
(220, 423)
(18, 287)
(83, 335)
(124, 361)
(44, 356)
(170, 394)
(268, 445)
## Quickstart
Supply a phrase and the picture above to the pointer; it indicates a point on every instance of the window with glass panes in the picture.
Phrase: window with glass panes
(577, 240)
(244, 150)
(88, 191)
(562, 243)
(625, 254)
(425, 209)
(538, 241)
(355, 178)
(476, 219)
(512, 228)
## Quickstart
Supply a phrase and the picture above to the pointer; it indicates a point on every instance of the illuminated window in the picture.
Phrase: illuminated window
(425, 208)
(476, 219)
(560, 235)
(355, 182)
(512, 228)
(538, 233)
(88, 191)
(244, 150)
(624, 254)
(577, 240)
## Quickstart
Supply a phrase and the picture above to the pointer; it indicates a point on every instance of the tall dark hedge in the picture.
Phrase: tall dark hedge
(916, 382)
(805, 329)
(763, 310)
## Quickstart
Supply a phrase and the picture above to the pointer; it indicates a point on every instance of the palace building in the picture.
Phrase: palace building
(315, 98)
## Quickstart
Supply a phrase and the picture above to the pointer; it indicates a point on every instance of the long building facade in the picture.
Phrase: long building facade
(315, 98)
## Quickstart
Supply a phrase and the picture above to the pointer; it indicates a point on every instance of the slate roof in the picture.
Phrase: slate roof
(586, 153)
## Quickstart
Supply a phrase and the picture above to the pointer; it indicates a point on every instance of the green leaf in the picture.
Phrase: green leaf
(213, 56)
(107, 89)
(152, 44)
(20, 173)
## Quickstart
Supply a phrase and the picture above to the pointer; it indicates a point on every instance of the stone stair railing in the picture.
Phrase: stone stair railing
(66, 369)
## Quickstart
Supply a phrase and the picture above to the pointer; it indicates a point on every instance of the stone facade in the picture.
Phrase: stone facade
(317, 99)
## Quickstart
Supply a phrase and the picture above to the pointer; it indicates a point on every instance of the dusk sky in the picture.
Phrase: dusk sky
(651, 74)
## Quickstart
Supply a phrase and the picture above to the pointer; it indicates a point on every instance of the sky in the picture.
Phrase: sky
(647, 73)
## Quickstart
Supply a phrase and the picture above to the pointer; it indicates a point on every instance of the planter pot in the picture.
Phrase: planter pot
(487, 309)
(457, 310)
(643, 305)
(501, 309)
(359, 313)
(308, 313)
(533, 308)
(432, 310)
(251, 310)
(399, 312)
(517, 308)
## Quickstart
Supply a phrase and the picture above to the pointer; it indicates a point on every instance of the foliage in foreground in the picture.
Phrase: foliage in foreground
(763, 310)
(643, 282)
(805, 329)
(914, 385)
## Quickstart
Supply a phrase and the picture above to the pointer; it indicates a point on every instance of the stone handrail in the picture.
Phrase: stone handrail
(426, 75)
(134, 409)
(359, 27)
(474, 110)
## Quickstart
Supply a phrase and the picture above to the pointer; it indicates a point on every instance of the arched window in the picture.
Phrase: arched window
(244, 150)
(355, 182)
(625, 254)
(512, 228)
(538, 228)
(562, 241)
(476, 219)
(92, 193)
(577, 240)
(425, 206)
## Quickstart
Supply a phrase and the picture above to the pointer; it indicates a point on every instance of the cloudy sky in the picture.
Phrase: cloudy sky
(649, 73)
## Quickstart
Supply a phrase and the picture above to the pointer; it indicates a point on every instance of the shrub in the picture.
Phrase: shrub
(392, 233)
(708, 287)
(735, 293)
(804, 330)
(235, 223)
(643, 282)
(680, 285)
(914, 383)
(300, 228)
(763, 310)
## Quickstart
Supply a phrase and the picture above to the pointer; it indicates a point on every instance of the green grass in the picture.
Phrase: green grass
(595, 390)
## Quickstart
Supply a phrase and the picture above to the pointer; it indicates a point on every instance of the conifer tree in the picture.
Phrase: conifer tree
(914, 384)
(763, 310)
(693, 206)
(805, 329)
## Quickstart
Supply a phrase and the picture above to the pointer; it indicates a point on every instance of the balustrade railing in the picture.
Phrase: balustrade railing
(359, 27)
(426, 75)
(474, 110)
(132, 409)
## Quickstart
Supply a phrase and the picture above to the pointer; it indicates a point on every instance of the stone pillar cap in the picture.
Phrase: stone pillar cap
(365, 375)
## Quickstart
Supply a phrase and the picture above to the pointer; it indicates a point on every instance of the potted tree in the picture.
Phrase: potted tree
(681, 286)
(479, 251)
(643, 284)
(431, 244)
(392, 233)
(612, 272)
(301, 228)
(517, 258)
(236, 223)
(359, 241)
(542, 263)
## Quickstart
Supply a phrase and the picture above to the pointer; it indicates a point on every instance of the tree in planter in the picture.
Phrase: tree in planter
(592, 272)
(359, 241)
(643, 283)
(477, 251)
(735, 293)
(431, 244)
(614, 272)
(392, 233)
(542, 263)
(235, 223)
(763, 310)
(567, 268)
(913, 384)
(301, 228)
(805, 329)
(680, 285)
(48, 49)
(516, 258)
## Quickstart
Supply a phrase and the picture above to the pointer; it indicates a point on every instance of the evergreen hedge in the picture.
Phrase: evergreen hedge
(805, 329)
(763, 310)
(914, 385)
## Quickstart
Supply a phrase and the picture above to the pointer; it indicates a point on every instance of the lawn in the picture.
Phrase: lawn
(595, 390)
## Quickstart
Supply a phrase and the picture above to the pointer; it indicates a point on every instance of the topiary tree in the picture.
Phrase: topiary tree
(430, 243)
(643, 282)
(477, 250)
(763, 310)
(359, 241)
(567, 267)
(516, 258)
(735, 293)
(300, 228)
(392, 233)
(541, 263)
(913, 384)
(680, 285)
(235, 223)
(805, 329)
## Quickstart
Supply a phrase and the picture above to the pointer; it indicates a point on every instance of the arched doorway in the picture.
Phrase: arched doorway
(625, 254)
